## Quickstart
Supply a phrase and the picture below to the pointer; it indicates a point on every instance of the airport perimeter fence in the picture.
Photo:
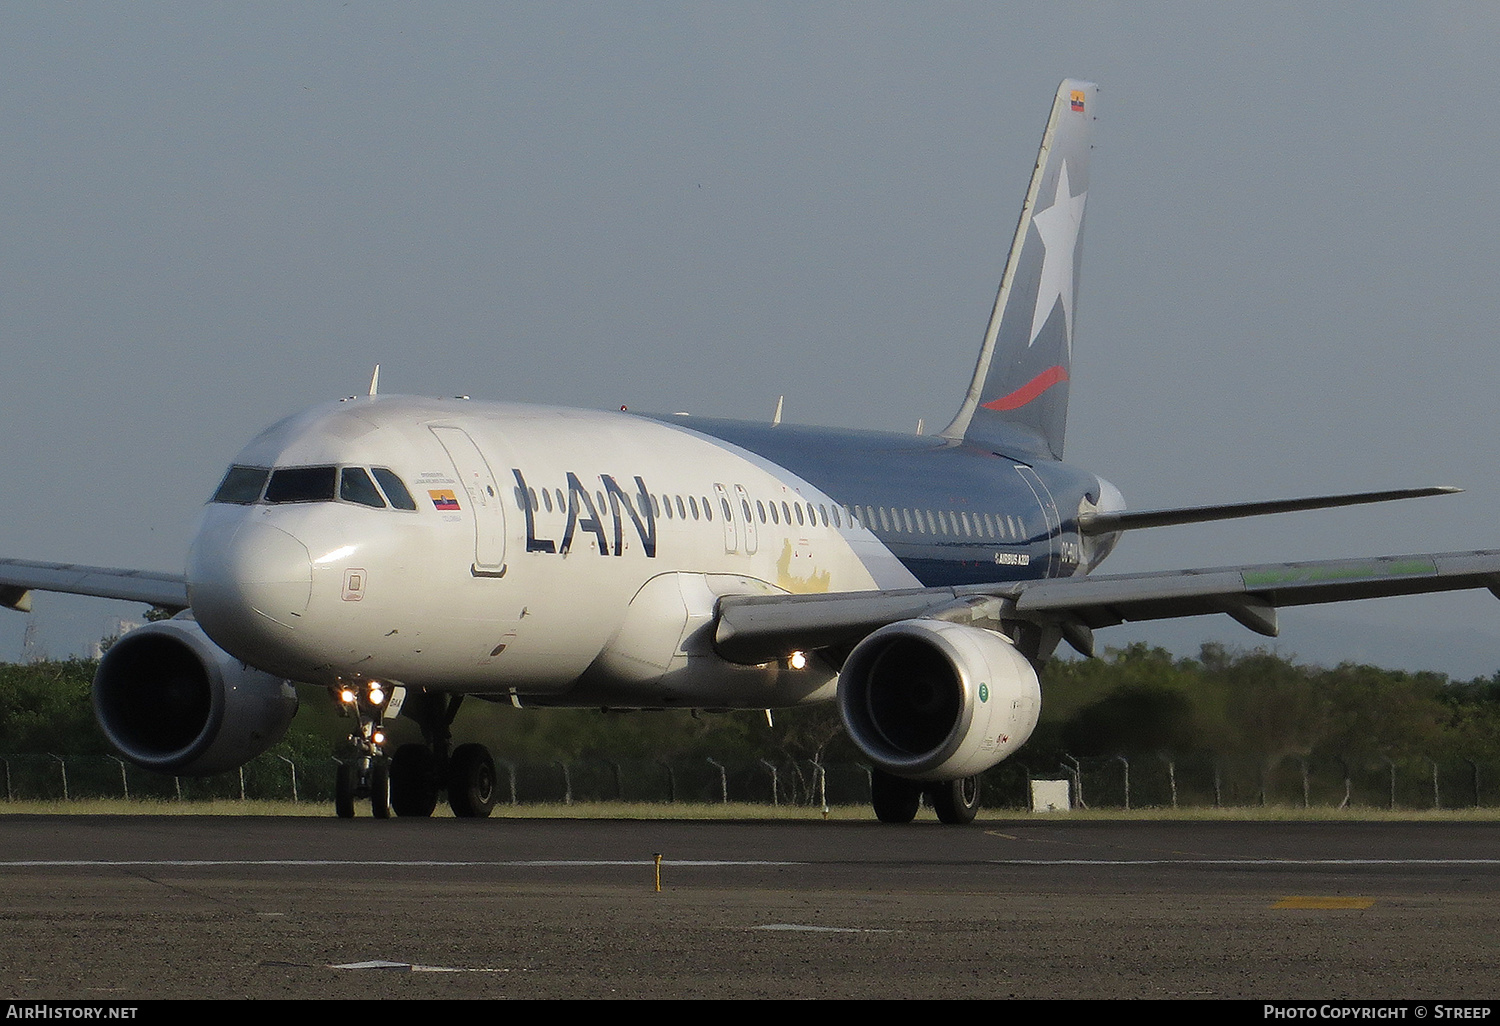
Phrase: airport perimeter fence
(1136, 782)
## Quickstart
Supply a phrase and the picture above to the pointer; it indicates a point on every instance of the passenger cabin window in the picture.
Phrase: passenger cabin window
(301, 484)
(242, 485)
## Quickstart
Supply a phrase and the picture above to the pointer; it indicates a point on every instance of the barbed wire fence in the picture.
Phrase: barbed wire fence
(1115, 782)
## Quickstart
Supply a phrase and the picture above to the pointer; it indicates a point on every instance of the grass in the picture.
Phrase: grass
(740, 811)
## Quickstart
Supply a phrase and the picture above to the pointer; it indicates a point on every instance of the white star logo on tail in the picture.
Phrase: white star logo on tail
(1058, 226)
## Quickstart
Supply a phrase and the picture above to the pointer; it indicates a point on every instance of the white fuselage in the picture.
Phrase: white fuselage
(588, 597)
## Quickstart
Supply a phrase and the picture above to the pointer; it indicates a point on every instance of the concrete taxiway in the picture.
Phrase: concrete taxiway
(137, 907)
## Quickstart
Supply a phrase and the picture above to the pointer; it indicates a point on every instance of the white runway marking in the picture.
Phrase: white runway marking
(412, 863)
(683, 864)
(798, 928)
(408, 967)
(1244, 862)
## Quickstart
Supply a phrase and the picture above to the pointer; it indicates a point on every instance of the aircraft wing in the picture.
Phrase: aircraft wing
(755, 629)
(20, 577)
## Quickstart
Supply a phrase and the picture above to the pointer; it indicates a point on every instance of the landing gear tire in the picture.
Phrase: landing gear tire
(344, 786)
(471, 782)
(895, 799)
(380, 789)
(955, 801)
(414, 785)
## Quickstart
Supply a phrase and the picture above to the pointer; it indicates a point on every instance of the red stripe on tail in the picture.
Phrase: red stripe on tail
(1029, 391)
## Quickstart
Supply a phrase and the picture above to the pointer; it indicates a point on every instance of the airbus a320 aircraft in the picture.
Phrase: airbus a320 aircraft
(405, 553)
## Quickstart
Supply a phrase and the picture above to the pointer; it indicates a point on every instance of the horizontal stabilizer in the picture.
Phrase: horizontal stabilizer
(1108, 523)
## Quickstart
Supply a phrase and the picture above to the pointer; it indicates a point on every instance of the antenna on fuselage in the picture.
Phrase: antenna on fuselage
(375, 380)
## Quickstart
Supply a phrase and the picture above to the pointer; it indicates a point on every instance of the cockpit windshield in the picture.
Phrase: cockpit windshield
(395, 490)
(245, 486)
(242, 485)
(355, 486)
(301, 484)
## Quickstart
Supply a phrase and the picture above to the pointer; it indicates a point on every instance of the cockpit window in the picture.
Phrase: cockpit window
(241, 485)
(301, 484)
(245, 486)
(394, 489)
(355, 486)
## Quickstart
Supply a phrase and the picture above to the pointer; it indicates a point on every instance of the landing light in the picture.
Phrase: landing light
(377, 695)
(797, 660)
(348, 696)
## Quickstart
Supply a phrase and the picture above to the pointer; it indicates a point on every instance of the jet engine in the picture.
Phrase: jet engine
(933, 700)
(172, 701)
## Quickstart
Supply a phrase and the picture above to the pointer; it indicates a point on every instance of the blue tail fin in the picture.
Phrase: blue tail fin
(1018, 399)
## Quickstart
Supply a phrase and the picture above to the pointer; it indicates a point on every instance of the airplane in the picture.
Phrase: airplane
(409, 553)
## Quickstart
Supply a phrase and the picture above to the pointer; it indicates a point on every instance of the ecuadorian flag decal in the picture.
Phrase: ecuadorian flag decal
(443, 498)
(1077, 95)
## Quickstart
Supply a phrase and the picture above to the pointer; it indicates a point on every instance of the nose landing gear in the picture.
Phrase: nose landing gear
(410, 782)
(368, 774)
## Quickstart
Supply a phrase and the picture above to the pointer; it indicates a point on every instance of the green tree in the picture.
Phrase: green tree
(47, 707)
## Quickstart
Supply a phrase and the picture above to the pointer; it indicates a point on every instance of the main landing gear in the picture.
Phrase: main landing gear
(410, 782)
(897, 799)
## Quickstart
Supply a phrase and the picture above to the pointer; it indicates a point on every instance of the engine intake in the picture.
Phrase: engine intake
(933, 700)
(172, 701)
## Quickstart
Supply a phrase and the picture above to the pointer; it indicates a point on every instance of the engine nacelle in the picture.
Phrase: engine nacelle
(172, 701)
(933, 700)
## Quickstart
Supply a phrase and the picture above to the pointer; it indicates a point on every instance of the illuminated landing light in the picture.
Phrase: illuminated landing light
(797, 660)
(348, 696)
(377, 695)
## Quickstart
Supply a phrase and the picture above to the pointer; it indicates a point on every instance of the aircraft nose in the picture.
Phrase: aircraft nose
(248, 579)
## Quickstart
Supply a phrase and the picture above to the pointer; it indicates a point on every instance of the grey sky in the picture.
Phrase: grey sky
(214, 216)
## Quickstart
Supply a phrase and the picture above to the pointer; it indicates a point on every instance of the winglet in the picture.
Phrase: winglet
(1021, 379)
(375, 380)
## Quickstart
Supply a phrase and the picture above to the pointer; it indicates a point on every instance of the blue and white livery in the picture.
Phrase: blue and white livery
(405, 553)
